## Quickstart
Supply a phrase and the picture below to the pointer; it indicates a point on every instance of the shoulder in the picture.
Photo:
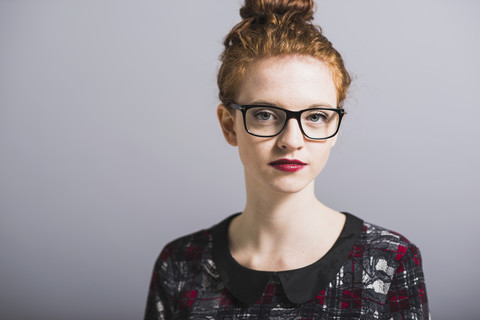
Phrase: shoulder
(181, 259)
(192, 249)
(190, 254)
(390, 268)
(385, 246)
(189, 247)
(379, 237)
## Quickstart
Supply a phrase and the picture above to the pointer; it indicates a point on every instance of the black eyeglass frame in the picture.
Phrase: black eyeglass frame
(290, 114)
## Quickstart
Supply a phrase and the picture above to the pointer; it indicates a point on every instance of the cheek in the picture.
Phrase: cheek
(247, 145)
(244, 146)
(254, 152)
(248, 151)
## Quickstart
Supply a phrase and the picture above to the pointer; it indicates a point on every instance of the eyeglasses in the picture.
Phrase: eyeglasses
(267, 121)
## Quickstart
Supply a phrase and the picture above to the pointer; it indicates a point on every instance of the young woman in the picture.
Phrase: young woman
(286, 255)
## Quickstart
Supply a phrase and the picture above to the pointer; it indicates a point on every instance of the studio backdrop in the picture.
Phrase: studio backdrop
(110, 146)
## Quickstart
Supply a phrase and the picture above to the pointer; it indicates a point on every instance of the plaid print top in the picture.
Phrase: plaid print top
(369, 273)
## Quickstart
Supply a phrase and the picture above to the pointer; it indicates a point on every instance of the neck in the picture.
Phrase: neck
(282, 231)
(273, 219)
(272, 209)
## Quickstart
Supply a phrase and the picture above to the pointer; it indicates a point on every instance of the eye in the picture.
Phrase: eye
(317, 117)
(264, 115)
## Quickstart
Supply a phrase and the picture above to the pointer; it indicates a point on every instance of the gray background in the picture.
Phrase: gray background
(110, 147)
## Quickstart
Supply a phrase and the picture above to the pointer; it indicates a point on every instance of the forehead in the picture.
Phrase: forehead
(294, 82)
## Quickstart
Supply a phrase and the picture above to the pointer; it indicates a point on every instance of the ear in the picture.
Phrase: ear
(227, 122)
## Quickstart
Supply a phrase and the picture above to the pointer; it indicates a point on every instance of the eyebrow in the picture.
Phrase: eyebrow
(265, 103)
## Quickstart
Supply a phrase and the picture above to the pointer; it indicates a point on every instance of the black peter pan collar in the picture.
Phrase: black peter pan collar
(299, 285)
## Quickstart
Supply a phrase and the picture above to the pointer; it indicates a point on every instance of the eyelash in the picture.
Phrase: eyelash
(262, 112)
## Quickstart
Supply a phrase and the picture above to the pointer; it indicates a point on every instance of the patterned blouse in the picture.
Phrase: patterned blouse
(369, 273)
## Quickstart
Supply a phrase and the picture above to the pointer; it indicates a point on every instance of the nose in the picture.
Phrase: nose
(291, 138)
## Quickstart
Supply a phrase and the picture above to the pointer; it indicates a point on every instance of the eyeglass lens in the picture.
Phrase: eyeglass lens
(316, 123)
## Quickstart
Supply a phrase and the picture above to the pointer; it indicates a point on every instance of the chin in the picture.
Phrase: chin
(288, 191)
(289, 187)
(287, 184)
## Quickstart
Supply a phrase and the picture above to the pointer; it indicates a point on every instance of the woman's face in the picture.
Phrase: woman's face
(293, 83)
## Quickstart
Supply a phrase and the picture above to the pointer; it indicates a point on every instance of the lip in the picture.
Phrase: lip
(288, 165)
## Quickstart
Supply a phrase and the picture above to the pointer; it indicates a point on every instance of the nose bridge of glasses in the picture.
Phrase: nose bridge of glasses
(292, 115)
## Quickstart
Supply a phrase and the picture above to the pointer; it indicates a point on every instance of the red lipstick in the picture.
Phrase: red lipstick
(288, 165)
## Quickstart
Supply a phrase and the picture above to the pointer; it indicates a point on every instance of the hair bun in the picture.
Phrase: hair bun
(252, 8)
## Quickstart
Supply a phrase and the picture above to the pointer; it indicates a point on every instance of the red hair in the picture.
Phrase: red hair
(276, 28)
